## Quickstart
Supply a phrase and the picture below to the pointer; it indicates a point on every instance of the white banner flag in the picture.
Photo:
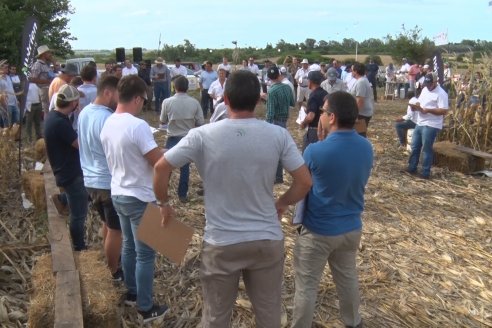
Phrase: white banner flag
(441, 39)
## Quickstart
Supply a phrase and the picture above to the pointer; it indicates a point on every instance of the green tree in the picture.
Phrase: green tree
(411, 45)
(53, 20)
(310, 43)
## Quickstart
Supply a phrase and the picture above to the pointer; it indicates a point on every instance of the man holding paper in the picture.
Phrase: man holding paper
(331, 228)
(237, 159)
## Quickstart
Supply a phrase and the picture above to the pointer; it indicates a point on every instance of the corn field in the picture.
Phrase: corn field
(470, 120)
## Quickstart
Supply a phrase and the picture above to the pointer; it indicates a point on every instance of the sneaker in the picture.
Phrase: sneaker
(200, 192)
(118, 275)
(130, 299)
(60, 208)
(155, 312)
(183, 199)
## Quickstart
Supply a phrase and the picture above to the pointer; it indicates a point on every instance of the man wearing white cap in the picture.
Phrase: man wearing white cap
(302, 82)
(333, 83)
(40, 74)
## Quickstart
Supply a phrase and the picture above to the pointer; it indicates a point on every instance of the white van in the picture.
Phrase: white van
(79, 62)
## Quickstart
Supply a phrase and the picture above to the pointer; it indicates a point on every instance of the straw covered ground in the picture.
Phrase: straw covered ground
(424, 261)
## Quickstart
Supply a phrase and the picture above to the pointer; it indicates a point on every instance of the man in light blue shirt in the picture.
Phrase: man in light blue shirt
(97, 177)
(206, 78)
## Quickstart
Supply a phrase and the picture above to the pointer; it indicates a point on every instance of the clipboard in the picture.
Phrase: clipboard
(172, 241)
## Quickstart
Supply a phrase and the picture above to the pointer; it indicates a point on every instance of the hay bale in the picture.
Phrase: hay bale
(446, 155)
(33, 185)
(40, 150)
(100, 298)
(15, 132)
(42, 303)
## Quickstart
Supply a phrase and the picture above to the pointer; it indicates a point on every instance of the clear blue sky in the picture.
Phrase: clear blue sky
(107, 24)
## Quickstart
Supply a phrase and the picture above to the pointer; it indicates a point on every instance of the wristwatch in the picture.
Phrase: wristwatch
(163, 204)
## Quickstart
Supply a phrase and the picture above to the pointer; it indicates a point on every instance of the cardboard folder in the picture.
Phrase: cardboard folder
(172, 240)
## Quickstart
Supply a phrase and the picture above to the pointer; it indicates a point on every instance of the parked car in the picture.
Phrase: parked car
(80, 62)
(192, 79)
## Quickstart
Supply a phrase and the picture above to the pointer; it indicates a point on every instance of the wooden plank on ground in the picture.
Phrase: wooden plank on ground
(61, 245)
(68, 300)
(474, 152)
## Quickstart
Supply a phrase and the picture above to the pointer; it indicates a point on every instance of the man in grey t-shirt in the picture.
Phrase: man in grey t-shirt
(362, 91)
(237, 159)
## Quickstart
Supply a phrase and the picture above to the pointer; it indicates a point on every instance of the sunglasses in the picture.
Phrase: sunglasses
(144, 99)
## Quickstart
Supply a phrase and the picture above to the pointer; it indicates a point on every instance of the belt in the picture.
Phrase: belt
(303, 86)
(312, 128)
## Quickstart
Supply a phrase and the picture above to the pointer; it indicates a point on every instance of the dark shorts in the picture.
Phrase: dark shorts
(102, 203)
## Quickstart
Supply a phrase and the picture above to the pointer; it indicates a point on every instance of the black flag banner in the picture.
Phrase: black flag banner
(28, 54)
(29, 44)
(438, 65)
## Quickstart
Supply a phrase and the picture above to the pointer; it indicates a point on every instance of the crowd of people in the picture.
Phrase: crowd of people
(104, 155)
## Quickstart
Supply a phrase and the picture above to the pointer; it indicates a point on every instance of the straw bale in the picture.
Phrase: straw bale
(100, 299)
(446, 155)
(42, 304)
(40, 150)
(14, 132)
(33, 185)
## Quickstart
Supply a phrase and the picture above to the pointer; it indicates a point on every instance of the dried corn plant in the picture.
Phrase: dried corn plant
(470, 120)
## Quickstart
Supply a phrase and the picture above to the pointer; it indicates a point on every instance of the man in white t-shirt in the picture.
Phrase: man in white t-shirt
(301, 77)
(237, 159)
(131, 152)
(432, 106)
(225, 65)
(178, 69)
(129, 69)
(252, 67)
(216, 89)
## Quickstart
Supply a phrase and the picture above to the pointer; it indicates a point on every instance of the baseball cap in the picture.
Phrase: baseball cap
(430, 78)
(316, 77)
(283, 70)
(70, 69)
(273, 72)
(332, 74)
(68, 93)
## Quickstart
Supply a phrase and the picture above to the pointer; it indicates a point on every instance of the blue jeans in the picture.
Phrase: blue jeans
(13, 114)
(161, 92)
(137, 258)
(184, 175)
(279, 175)
(402, 128)
(422, 139)
(78, 201)
(206, 102)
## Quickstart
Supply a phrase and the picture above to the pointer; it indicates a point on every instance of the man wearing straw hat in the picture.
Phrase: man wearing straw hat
(340, 166)
(237, 159)
(41, 75)
(161, 77)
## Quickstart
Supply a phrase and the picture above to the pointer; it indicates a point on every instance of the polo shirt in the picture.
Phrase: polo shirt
(315, 102)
